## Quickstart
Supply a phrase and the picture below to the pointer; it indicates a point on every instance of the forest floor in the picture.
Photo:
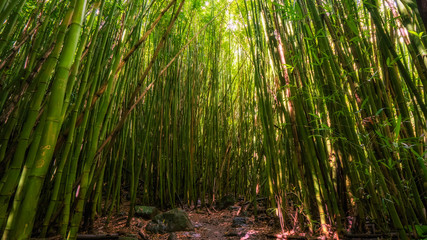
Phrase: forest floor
(236, 221)
(208, 223)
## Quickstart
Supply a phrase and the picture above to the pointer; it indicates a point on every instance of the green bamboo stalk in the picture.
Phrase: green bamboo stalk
(53, 122)
(10, 179)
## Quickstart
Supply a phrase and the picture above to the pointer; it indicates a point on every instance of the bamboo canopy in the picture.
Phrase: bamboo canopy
(317, 105)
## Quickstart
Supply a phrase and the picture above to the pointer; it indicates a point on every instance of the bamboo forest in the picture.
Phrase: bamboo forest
(213, 119)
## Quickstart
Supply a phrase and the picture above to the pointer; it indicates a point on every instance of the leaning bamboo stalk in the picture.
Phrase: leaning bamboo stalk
(26, 215)
(64, 158)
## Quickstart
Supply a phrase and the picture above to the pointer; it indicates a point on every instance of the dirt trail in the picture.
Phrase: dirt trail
(219, 225)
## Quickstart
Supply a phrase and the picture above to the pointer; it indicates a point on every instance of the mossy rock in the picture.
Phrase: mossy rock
(146, 212)
(171, 221)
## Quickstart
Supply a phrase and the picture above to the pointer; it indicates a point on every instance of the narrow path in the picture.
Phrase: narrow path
(226, 224)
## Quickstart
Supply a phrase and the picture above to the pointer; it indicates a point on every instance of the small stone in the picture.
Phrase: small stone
(197, 225)
(239, 222)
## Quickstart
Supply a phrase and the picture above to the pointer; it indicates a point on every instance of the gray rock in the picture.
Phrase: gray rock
(171, 221)
(146, 212)
(239, 222)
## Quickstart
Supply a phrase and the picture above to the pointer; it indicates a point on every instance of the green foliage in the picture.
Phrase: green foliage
(421, 231)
